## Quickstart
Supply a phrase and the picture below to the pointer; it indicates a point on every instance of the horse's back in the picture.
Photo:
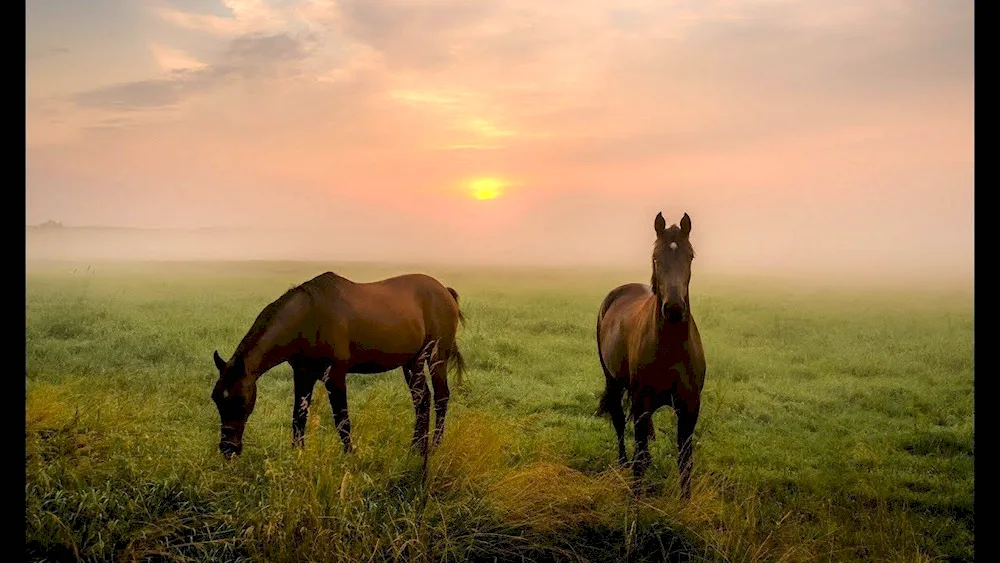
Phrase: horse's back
(377, 326)
(416, 298)
(408, 286)
(625, 293)
(425, 290)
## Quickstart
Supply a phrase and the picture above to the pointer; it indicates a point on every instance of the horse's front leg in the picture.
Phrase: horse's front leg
(304, 382)
(642, 414)
(335, 381)
(687, 418)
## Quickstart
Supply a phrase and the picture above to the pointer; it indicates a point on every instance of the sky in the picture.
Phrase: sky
(824, 136)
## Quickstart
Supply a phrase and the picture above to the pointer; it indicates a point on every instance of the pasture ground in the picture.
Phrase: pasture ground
(836, 426)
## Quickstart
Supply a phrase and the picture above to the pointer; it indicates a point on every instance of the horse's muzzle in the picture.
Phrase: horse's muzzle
(231, 440)
(674, 312)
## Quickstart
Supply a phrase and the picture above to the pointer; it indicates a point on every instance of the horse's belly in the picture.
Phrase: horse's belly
(613, 348)
(380, 358)
(374, 366)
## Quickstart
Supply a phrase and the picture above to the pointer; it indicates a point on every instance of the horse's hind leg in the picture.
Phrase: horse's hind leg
(611, 403)
(335, 381)
(439, 379)
(421, 395)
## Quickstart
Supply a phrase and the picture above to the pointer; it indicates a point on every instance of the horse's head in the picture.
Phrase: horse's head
(672, 256)
(234, 396)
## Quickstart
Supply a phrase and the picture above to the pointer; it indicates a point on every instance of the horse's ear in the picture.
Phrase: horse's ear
(660, 224)
(686, 225)
(219, 362)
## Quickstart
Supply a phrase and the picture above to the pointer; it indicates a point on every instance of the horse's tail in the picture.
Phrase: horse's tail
(456, 361)
(454, 294)
(603, 401)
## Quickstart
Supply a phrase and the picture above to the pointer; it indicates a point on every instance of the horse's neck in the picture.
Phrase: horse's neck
(660, 330)
(646, 332)
(269, 348)
(258, 362)
(673, 332)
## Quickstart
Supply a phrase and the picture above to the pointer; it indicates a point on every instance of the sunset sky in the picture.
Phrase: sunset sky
(820, 135)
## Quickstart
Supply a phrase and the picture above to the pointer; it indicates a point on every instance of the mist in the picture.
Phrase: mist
(796, 243)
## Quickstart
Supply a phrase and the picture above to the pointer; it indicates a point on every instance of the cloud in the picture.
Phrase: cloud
(802, 51)
(729, 79)
(142, 94)
(246, 57)
(246, 17)
(413, 35)
(170, 59)
(259, 51)
(611, 82)
(322, 14)
(44, 53)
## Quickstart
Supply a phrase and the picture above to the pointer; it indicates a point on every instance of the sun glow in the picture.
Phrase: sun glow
(487, 188)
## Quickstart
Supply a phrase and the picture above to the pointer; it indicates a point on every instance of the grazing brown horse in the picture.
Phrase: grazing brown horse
(330, 326)
(650, 349)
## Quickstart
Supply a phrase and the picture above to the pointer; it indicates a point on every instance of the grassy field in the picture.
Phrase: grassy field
(836, 426)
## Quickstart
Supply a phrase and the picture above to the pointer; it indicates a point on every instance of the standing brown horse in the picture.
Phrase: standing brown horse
(330, 326)
(649, 347)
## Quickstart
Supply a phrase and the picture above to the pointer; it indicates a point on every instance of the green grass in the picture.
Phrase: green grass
(836, 425)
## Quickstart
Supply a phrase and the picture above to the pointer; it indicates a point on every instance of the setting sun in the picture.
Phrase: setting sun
(486, 188)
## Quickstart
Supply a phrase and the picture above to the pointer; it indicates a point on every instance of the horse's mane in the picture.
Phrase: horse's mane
(310, 288)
